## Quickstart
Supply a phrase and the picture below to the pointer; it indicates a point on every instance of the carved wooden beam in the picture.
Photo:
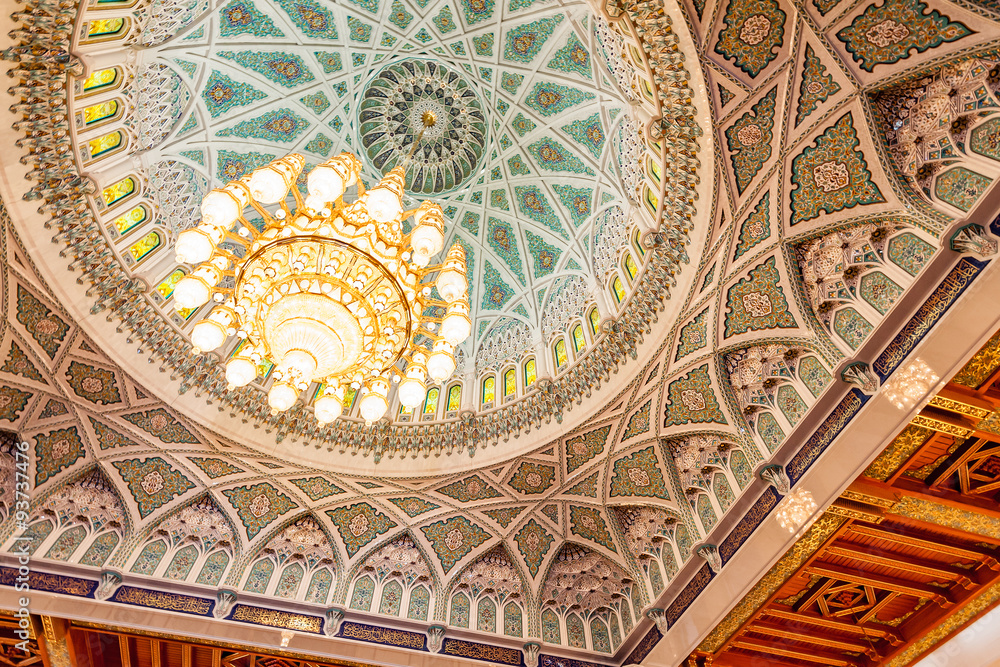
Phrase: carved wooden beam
(967, 552)
(902, 562)
(871, 630)
(882, 582)
(778, 648)
(799, 633)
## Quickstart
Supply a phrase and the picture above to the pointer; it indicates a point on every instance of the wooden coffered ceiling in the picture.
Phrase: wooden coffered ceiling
(907, 556)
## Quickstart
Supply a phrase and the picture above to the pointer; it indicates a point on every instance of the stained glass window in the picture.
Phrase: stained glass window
(509, 383)
(654, 170)
(530, 371)
(403, 410)
(630, 268)
(129, 221)
(454, 397)
(350, 395)
(145, 245)
(489, 389)
(105, 143)
(101, 111)
(619, 290)
(637, 242)
(559, 351)
(119, 191)
(166, 286)
(652, 201)
(579, 341)
(431, 402)
(594, 316)
(102, 78)
(105, 27)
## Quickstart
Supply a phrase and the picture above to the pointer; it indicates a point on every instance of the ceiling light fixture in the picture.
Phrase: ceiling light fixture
(910, 384)
(796, 512)
(330, 292)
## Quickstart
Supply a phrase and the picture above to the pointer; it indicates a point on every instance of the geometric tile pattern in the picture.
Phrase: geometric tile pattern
(757, 302)
(752, 34)
(749, 140)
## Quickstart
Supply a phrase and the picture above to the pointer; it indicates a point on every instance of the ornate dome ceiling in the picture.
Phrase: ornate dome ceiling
(546, 179)
(847, 148)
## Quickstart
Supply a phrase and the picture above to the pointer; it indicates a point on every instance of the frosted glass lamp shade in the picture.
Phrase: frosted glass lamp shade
(411, 392)
(282, 396)
(208, 335)
(325, 183)
(240, 372)
(221, 208)
(327, 408)
(456, 326)
(191, 292)
(195, 246)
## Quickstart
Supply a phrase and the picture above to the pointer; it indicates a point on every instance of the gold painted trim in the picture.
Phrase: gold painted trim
(941, 426)
(857, 496)
(962, 408)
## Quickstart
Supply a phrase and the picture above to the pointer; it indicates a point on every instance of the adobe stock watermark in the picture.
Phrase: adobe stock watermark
(22, 543)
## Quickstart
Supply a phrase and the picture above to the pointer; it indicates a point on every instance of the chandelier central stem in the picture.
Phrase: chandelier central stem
(429, 120)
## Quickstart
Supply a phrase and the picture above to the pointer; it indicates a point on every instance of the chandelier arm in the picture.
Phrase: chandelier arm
(299, 202)
(257, 206)
(254, 234)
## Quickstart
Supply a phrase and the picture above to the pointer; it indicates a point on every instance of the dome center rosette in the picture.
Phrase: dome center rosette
(391, 115)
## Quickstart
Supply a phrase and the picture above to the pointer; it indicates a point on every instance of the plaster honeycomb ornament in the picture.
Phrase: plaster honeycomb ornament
(390, 117)
(754, 373)
(201, 523)
(495, 573)
(646, 529)
(398, 559)
(89, 502)
(580, 578)
(302, 540)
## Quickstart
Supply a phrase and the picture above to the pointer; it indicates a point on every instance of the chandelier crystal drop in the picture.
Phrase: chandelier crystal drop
(796, 512)
(910, 384)
(329, 292)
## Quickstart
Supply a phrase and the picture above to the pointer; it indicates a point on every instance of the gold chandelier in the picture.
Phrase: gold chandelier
(330, 292)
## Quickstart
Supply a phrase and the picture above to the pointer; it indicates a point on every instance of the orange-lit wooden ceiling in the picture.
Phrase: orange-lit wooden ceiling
(906, 557)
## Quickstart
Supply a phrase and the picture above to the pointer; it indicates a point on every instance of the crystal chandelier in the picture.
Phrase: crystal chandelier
(910, 384)
(331, 292)
(796, 512)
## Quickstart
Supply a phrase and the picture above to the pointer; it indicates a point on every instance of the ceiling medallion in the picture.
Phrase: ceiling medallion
(390, 114)
(329, 292)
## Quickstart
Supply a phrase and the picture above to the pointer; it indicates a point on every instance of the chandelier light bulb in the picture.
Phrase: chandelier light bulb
(375, 403)
(240, 371)
(328, 408)
(441, 363)
(411, 392)
(221, 208)
(191, 292)
(208, 335)
(427, 237)
(451, 282)
(282, 396)
(910, 384)
(457, 325)
(796, 512)
(195, 246)
(325, 183)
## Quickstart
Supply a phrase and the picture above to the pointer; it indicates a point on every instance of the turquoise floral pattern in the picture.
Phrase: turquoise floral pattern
(453, 539)
(753, 33)
(896, 29)
(832, 175)
(749, 140)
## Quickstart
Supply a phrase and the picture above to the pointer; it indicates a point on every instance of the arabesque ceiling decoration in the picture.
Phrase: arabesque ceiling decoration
(846, 137)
